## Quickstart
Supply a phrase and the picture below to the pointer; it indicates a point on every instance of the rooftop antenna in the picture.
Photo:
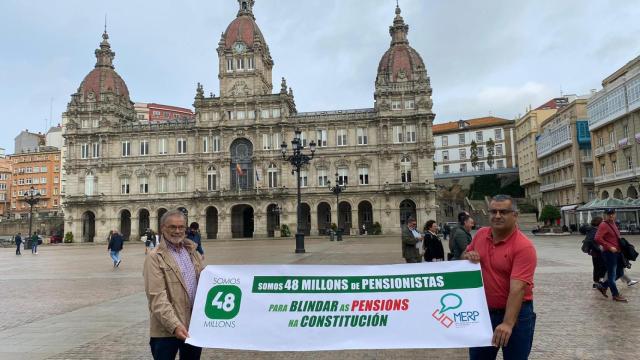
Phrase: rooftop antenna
(105, 22)
(560, 90)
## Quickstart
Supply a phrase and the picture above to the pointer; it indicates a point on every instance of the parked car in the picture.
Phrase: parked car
(55, 239)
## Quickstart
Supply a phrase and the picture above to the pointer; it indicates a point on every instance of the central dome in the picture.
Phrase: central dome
(243, 28)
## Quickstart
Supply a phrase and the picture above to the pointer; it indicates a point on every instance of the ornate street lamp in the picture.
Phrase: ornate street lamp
(337, 189)
(31, 197)
(298, 159)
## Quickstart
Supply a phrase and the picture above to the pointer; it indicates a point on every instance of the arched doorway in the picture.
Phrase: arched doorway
(407, 210)
(605, 195)
(273, 220)
(212, 223)
(344, 217)
(632, 192)
(617, 193)
(241, 164)
(88, 226)
(324, 218)
(125, 224)
(242, 221)
(160, 212)
(305, 218)
(365, 216)
(143, 221)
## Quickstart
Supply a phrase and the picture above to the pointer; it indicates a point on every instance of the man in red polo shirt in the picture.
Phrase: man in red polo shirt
(508, 261)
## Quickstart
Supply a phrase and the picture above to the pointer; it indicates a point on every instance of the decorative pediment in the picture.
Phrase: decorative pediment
(143, 171)
(125, 172)
(363, 162)
(161, 170)
(104, 123)
(240, 88)
(71, 125)
(342, 163)
(321, 164)
(181, 170)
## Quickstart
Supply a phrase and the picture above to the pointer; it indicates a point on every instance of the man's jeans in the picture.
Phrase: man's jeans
(18, 248)
(611, 260)
(519, 345)
(167, 348)
(115, 255)
(34, 247)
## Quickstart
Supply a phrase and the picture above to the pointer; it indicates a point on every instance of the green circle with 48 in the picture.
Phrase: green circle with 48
(223, 302)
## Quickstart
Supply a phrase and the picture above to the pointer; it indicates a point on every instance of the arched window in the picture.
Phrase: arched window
(405, 169)
(211, 178)
(272, 174)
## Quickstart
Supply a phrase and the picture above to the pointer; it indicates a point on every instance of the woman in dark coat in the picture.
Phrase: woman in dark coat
(433, 250)
(599, 267)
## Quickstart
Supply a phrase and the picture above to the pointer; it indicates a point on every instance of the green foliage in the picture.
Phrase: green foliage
(491, 148)
(474, 154)
(68, 237)
(376, 228)
(285, 231)
(549, 214)
(489, 185)
(527, 208)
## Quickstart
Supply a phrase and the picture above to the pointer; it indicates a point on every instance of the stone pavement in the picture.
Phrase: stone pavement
(68, 302)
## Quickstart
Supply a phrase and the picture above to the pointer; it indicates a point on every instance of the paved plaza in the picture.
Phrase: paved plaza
(68, 302)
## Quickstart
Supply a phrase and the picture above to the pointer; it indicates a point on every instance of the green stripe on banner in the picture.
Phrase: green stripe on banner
(367, 284)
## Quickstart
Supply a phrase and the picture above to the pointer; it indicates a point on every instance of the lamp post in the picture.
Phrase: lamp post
(298, 159)
(337, 189)
(31, 197)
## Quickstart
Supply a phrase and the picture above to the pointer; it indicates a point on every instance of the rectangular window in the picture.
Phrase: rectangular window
(240, 63)
(322, 178)
(211, 180)
(144, 147)
(126, 148)
(498, 134)
(162, 146)
(411, 133)
(363, 175)
(43, 180)
(629, 163)
(205, 144)
(181, 183)
(461, 139)
(55, 179)
(341, 137)
(481, 166)
(34, 181)
(240, 115)
(84, 151)
(397, 134)
(124, 186)
(266, 142)
(625, 131)
(36, 169)
(43, 169)
(500, 164)
(250, 62)
(85, 123)
(445, 169)
(409, 104)
(343, 176)
(216, 143)
(229, 64)
(251, 114)
(445, 155)
(182, 146)
(480, 152)
(396, 105)
(276, 113)
(144, 185)
(43, 192)
(463, 167)
(303, 139)
(445, 141)
(304, 178)
(272, 174)
(265, 113)
(162, 184)
(499, 151)
(479, 136)
(602, 169)
(463, 154)
(361, 133)
(321, 136)
(95, 152)
(614, 165)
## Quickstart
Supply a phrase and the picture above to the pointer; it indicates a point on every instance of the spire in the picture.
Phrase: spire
(104, 55)
(246, 7)
(399, 29)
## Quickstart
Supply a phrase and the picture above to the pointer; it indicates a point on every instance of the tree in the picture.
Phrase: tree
(491, 148)
(549, 214)
(474, 154)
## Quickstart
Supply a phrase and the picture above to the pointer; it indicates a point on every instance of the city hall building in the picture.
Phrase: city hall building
(224, 168)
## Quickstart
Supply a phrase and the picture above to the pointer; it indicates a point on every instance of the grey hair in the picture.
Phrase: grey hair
(502, 197)
(172, 213)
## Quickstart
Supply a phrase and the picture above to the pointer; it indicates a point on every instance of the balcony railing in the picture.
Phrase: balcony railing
(610, 147)
(557, 185)
(586, 158)
(587, 180)
(618, 175)
(555, 166)
(599, 150)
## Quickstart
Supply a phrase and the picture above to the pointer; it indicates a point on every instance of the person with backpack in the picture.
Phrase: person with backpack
(590, 247)
(608, 237)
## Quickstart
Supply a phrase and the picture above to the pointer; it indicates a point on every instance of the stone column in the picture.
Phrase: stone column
(314, 222)
(259, 225)
(224, 225)
(354, 222)
(135, 236)
(153, 222)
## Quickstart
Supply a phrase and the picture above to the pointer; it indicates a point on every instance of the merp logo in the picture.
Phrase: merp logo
(449, 301)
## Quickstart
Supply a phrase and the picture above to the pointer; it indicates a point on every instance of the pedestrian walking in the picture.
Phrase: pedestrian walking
(594, 250)
(18, 239)
(410, 238)
(461, 238)
(508, 262)
(433, 250)
(171, 293)
(150, 242)
(34, 243)
(608, 236)
(116, 244)
(193, 234)
(446, 230)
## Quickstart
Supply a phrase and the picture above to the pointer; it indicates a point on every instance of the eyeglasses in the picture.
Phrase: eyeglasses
(176, 227)
(502, 212)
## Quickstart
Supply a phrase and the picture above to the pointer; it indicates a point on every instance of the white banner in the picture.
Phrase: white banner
(326, 307)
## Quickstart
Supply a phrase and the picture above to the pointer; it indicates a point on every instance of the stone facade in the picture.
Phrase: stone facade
(225, 169)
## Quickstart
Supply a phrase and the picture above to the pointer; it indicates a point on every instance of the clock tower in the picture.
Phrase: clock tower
(244, 60)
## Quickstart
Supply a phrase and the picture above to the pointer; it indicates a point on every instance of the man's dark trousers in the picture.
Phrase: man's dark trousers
(519, 345)
(166, 348)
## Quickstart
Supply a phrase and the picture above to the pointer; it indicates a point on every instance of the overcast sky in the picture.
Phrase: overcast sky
(484, 57)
